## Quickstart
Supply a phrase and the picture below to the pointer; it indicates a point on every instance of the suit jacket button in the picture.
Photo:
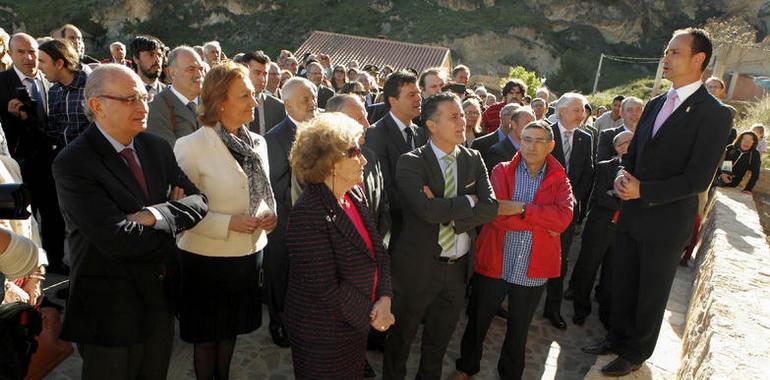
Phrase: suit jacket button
(161, 277)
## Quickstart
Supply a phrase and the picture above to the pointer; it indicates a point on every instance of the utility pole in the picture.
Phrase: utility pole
(598, 72)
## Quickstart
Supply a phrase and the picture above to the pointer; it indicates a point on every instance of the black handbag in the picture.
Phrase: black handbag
(20, 323)
(14, 201)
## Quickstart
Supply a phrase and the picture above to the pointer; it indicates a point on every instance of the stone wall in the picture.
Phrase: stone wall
(727, 333)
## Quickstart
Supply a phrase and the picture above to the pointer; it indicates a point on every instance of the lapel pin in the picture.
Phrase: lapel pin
(688, 109)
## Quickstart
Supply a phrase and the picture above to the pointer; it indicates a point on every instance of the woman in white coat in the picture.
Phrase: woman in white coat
(220, 280)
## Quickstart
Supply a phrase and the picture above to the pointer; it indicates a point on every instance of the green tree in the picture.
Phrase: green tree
(530, 78)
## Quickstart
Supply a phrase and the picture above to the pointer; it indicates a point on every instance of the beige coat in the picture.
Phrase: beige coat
(211, 167)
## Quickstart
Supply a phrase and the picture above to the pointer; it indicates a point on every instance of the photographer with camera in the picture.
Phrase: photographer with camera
(23, 114)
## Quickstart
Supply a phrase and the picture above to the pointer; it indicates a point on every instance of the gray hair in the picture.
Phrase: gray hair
(470, 101)
(275, 66)
(337, 102)
(516, 114)
(117, 43)
(507, 111)
(569, 98)
(620, 136)
(287, 92)
(98, 80)
(174, 54)
(630, 99)
(541, 125)
(538, 100)
(211, 44)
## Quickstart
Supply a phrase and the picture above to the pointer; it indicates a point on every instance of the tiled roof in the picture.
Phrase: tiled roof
(343, 48)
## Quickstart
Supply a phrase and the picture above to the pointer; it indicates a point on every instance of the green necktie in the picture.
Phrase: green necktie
(446, 233)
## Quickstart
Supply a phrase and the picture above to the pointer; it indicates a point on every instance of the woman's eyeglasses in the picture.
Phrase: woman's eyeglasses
(353, 152)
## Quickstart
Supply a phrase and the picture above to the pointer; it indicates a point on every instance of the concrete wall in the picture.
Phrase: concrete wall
(727, 333)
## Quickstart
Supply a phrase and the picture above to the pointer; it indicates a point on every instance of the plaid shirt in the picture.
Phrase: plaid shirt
(66, 116)
(517, 246)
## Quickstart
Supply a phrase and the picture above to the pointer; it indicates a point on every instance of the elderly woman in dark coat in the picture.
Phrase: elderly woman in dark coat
(339, 272)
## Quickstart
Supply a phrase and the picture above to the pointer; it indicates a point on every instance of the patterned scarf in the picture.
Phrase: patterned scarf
(259, 185)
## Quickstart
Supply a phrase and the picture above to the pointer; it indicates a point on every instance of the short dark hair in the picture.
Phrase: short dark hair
(437, 71)
(541, 125)
(515, 83)
(754, 137)
(258, 56)
(618, 98)
(701, 43)
(392, 86)
(459, 68)
(143, 43)
(58, 49)
(430, 106)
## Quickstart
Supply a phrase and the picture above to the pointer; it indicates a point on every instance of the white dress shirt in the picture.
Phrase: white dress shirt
(463, 240)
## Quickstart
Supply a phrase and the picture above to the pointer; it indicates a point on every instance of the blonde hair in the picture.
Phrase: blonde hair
(320, 143)
(215, 87)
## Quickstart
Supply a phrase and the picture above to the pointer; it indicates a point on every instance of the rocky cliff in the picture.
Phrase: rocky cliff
(560, 39)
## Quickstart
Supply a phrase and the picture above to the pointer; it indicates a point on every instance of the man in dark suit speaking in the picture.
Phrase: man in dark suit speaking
(124, 199)
(672, 157)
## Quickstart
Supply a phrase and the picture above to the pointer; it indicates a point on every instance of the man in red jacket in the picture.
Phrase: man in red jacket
(513, 92)
(517, 251)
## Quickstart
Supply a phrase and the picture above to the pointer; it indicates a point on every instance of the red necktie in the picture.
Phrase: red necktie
(128, 155)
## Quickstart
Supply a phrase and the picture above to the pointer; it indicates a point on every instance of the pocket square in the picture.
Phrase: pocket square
(470, 184)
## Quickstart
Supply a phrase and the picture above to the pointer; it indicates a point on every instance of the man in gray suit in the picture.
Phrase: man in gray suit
(270, 110)
(172, 113)
(445, 194)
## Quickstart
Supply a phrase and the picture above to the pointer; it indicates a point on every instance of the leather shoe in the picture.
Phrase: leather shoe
(279, 335)
(369, 371)
(601, 348)
(556, 320)
(459, 375)
(620, 367)
(579, 320)
(569, 294)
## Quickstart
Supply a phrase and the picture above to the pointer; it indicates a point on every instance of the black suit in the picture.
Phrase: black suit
(375, 112)
(119, 290)
(597, 243)
(483, 143)
(389, 143)
(28, 145)
(324, 94)
(605, 148)
(503, 151)
(425, 288)
(276, 265)
(376, 194)
(673, 167)
(581, 177)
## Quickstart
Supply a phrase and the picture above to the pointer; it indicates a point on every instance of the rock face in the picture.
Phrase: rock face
(465, 5)
(727, 335)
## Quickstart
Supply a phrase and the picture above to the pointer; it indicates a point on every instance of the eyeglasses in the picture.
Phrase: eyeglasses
(353, 152)
(128, 100)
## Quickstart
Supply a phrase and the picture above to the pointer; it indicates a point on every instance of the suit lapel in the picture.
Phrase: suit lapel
(179, 108)
(680, 112)
(435, 174)
(396, 136)
(342, 222)
(558, 150)
(462, 171)
(114, 163)
(152, 173)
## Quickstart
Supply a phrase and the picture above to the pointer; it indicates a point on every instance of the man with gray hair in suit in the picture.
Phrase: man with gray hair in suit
(173, 112)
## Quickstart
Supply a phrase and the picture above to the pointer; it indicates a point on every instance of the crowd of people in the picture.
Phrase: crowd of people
(356, 202)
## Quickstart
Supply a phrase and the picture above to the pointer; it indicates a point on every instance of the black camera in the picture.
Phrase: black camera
(22, 94)
(14, 201)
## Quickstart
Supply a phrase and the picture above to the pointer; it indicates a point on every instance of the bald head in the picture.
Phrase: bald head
(117, 101)
(23, 50)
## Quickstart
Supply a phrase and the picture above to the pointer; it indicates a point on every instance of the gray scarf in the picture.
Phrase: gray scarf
(259, 186)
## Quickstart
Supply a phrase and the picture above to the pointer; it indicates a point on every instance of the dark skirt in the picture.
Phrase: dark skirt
(219, 297)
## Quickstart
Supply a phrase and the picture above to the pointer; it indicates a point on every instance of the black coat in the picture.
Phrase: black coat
(674, 166)
(117, 278)
(743, 162)
(376, 194)
(503, 151)
(26, 138)
(331, 284)
(581, 171)
(483, 143)
(387, 141)
(605, 148)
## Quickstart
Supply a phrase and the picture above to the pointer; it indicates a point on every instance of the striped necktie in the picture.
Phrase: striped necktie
(446, 233)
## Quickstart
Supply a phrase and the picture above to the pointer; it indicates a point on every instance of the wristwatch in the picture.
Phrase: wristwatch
(523, 210)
